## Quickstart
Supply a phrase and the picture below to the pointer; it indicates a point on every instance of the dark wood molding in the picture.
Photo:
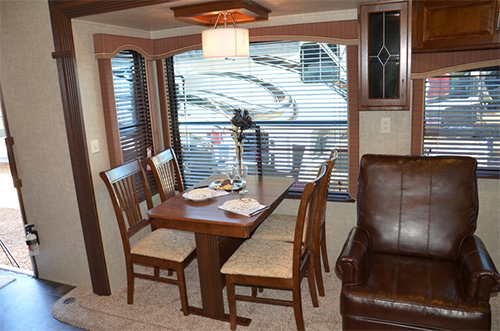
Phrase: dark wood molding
(207, 14)
(61, 13)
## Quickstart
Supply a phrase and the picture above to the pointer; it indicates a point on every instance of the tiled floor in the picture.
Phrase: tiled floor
(26, 303)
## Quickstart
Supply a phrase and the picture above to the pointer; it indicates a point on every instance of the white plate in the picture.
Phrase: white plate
(200, 194)
(241, 205)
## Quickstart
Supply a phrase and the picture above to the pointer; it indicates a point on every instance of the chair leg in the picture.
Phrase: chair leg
(312, 285)
(297, 307)
(231, 301)
(254, 291)
(323, 248)
(157, 271)
(316, 261)
(130, 285)
(181, 282)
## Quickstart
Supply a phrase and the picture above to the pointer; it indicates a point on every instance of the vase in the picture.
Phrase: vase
(239, 153)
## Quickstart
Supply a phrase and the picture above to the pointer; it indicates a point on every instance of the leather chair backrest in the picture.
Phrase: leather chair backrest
(417, 205)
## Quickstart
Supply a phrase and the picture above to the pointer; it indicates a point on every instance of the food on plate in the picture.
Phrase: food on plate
(224, 185)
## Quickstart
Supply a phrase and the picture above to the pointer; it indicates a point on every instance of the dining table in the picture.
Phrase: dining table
(218, 233)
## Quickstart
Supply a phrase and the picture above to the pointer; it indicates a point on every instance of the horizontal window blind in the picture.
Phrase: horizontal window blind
(462, 117)
(132, 107)
(296, 93)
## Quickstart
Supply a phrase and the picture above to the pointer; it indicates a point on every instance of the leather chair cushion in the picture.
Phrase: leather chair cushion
(414, 291)
(417, 206)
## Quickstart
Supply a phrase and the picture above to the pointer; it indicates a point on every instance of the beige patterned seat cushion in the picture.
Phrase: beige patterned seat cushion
(277, 227)
(166, 244)
(260, 257)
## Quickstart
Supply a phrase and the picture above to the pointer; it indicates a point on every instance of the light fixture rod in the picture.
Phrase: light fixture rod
(225, 19)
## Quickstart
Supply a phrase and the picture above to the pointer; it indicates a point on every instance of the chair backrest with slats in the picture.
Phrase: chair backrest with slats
(121, 183)
(305, 219)
(166, 171)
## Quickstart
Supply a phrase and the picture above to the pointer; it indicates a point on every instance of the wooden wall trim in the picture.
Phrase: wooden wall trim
(153, 106)
(417, 117)
(433, 64)
(163, 98)
(107, 46)
(109, 111)
(61, 13)
(353, 120)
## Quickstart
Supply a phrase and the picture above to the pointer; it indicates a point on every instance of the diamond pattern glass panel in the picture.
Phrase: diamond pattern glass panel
(383, 53)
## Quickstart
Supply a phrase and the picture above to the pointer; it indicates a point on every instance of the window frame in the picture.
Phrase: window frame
(114, 141)
(435, 64)
(175, 136)
(341, 32)
(447, 130)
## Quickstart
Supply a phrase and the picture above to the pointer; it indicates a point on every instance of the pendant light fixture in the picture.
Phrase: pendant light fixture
(223, 42)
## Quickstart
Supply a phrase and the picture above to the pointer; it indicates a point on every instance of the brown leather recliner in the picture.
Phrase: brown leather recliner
(413, 261)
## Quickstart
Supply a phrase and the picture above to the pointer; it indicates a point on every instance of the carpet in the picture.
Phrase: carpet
(5, 280)
(157, 307)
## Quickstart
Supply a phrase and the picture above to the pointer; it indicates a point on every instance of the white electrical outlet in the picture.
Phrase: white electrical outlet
(385, 125)
(94, 146)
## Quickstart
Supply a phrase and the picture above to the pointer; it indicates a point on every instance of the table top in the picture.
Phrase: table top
(205, 216)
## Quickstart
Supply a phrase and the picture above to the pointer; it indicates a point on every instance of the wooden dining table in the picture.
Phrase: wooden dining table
(218, 233)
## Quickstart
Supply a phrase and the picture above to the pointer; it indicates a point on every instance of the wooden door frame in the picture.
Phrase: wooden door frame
(61, 13)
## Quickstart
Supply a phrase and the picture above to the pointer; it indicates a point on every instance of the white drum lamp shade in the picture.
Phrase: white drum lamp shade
(225, 43)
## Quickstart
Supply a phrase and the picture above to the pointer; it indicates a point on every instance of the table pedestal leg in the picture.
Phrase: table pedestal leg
(211, 280)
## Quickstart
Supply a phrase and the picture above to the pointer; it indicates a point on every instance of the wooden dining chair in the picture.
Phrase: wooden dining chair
(166, 172)
(160, 248)
(277, 264)
(281, 227)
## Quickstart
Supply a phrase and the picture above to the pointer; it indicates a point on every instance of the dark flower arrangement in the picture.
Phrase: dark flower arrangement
(240, 122)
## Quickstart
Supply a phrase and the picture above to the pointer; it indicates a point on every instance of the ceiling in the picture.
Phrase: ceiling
(161, 17)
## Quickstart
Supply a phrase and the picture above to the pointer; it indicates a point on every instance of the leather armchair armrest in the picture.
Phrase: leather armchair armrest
(478, 272)
(352, 261)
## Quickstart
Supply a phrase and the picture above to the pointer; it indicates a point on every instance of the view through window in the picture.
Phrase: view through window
(462, 117)
(296, 92)
(132, 108)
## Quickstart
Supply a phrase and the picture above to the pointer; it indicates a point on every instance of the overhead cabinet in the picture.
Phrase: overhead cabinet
(455, 25)
(384, 55)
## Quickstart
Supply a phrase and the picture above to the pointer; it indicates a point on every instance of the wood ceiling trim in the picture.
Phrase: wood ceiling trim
(243, 11)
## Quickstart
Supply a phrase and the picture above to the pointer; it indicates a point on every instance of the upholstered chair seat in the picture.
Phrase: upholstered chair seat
(279, 227)
(264, 258)
(166, 244)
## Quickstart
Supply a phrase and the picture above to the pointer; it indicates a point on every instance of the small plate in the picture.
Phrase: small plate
(224, 184)
(241, 205)
(200, 194)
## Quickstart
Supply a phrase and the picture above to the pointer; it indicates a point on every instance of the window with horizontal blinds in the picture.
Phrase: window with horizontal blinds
(132, 107)
(296, 93)
(462, 117)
